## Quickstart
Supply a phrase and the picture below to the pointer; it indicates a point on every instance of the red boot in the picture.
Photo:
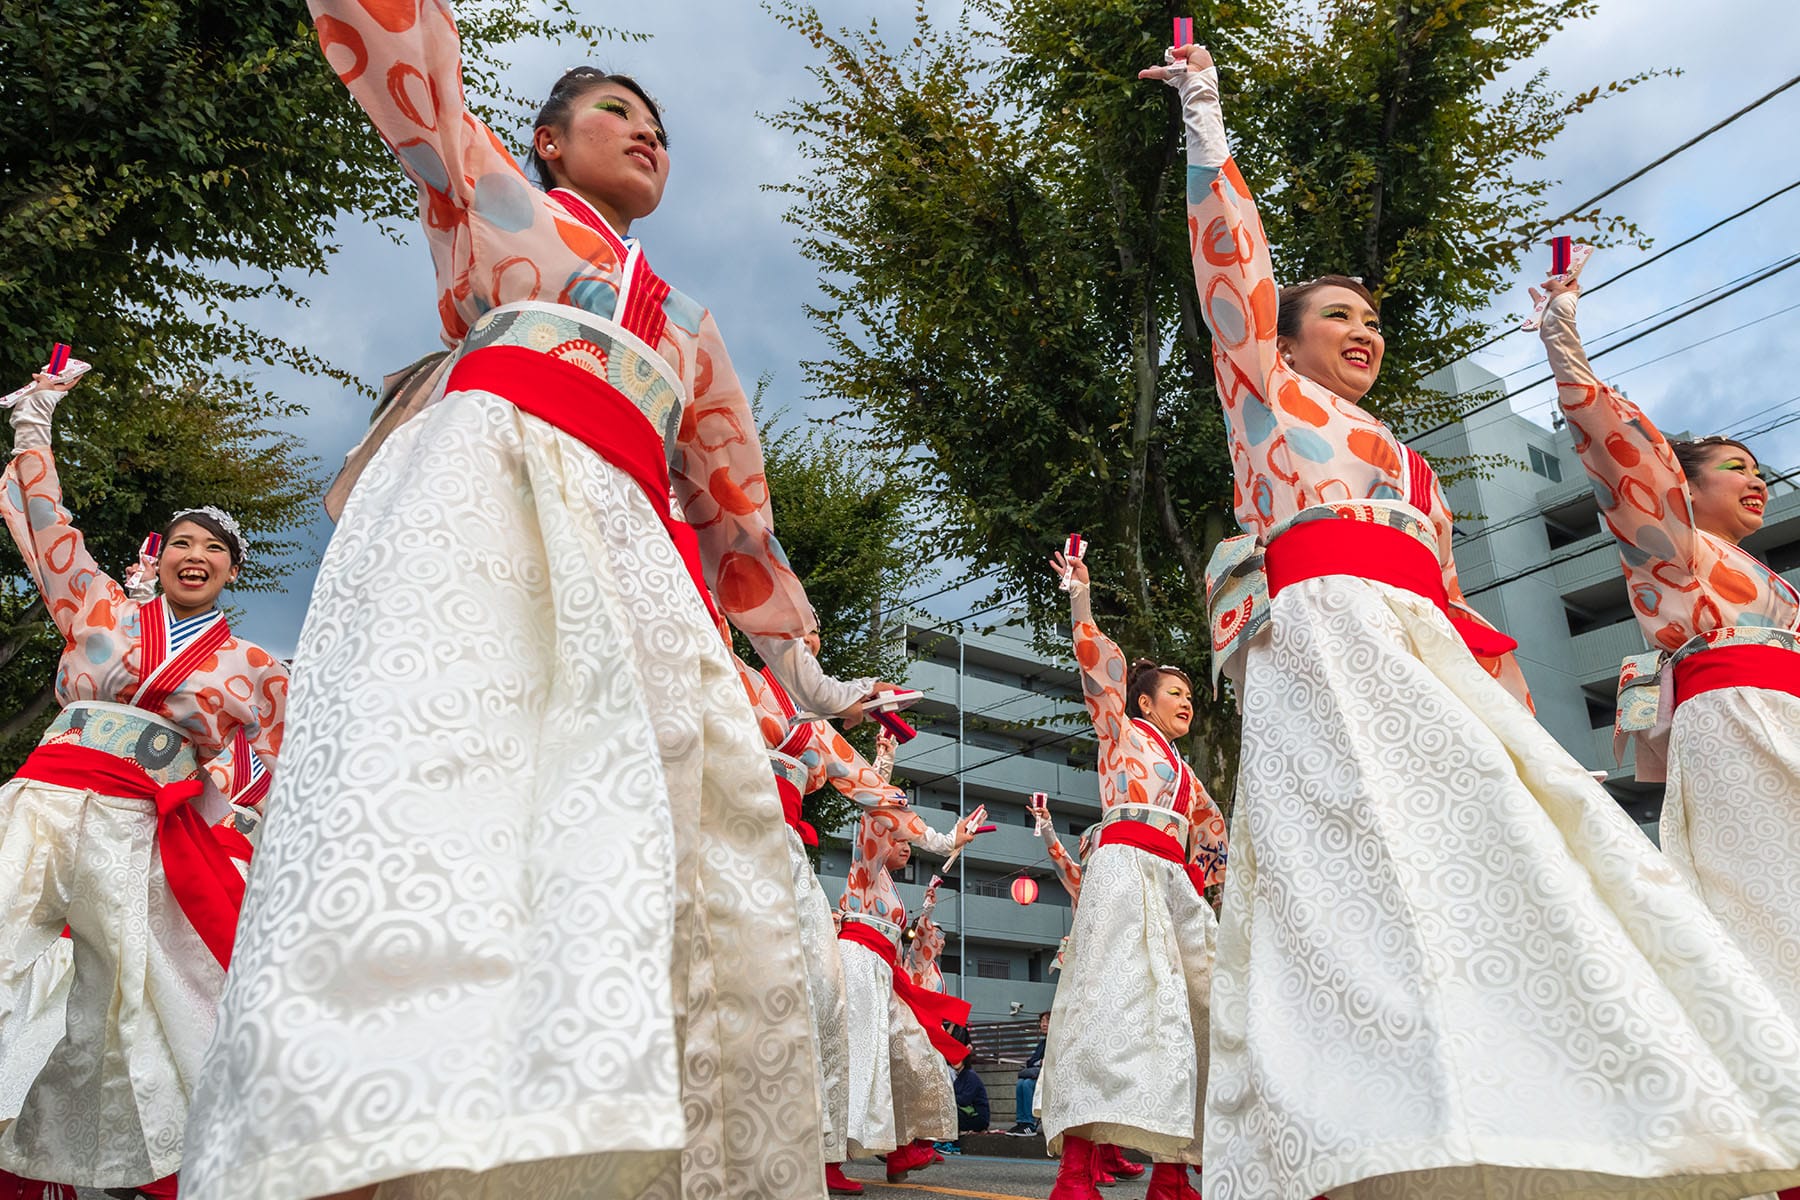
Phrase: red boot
(907, 1158)
(840, 1184)
(1114, 1162)
(1169, 1181)
(1075, 1175)
(15, 1187)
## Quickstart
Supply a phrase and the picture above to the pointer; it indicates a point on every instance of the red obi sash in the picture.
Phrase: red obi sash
(1375, 552)
(790, 810)
(931, 1008)
(1755, 666)
(1153, 841)
(196, 858)
(594, 413)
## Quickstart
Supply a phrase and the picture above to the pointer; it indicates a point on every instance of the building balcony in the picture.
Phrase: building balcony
(1595, 655)
(932, 758)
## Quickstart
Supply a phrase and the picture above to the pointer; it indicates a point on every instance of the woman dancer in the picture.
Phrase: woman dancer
(1140, 953)
(900, 1097)
(1109, 1162)
(806, 755)
(1726, 625)
(102, 832)
(1439, 928)
(510, 932)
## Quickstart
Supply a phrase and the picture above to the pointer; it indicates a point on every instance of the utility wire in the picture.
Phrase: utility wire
(1769, 273)
(1661, 254)
(1533, 230)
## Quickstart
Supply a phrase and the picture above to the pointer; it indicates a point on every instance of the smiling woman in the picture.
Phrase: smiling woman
(513, 934)
(1417, 863)
(1728, 632)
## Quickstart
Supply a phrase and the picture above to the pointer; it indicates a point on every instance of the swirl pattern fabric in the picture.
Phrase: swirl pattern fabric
(108, 1107)
(1126, 1058)
(521, 922)
(825, 995)
(868, 996)
(1731, 821)
(1450, 965)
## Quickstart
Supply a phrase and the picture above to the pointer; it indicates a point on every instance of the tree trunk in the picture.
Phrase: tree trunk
(17, 637)
(22, 720)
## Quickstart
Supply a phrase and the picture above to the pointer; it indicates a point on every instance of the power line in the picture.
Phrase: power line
(1532, 231)
(909, 601)
(1769, 273)
(1661, 254)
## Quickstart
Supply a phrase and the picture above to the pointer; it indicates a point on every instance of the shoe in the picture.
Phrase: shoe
(1075, 1174)
(840, 1184)
(1114, 1163)
(907, 1158)
(1022, 1129)
(1169, 1181)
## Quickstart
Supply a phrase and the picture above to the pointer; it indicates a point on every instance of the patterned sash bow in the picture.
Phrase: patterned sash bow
(931, 1008)
(197, 858)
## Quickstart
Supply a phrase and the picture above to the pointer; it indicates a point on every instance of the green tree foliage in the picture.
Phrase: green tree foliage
(848, 521)
(998, 208)
(162, 163)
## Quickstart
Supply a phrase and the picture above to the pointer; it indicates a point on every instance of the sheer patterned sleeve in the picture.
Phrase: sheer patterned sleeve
(55, 553)
(915, 830)
(1067, 869)
(1642, 491)
(1126, 759)
(403, 64)
(1289, 449)
(718, 477)
(848, 771)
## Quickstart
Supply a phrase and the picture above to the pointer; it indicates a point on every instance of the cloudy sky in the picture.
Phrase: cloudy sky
(719, 236)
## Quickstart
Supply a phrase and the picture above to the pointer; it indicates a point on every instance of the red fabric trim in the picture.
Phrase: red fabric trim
(790, 810)
(1768, 667)
(196, 862)
(17, 1187)
(931, 1008)
(1420, 480)
(153, 638)
(594, 413)
(193, 656)
(645, 290)
(1381, 553)
(1184, 778)
(166, 1188)
(1143, 837)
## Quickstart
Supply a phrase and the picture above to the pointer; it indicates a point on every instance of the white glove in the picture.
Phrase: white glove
(30, 416)
(1040, 815)
(140, 579)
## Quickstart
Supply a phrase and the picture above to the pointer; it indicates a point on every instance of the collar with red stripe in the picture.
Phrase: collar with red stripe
(798, 735)
(1184, 774)
(641, 291)
(1421, 480)
(164, 673)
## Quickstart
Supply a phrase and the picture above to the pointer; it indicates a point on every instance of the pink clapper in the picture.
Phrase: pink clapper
(59, 358)
(1184, 31)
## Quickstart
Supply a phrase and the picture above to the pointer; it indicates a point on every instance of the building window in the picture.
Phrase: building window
(992, 968)
(989, 887)
(1545, 464)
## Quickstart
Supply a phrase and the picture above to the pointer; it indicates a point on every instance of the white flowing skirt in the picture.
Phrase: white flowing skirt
(521, 923)
(1731, 821)
(899, 1089)
(1450, 965)
(1125, 1061)
(825, 996)
(118, 1017)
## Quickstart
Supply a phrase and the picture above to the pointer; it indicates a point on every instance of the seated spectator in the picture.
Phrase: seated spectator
(1025, 1091)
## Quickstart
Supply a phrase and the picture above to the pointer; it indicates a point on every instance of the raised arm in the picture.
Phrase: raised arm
(403, 64)
(1642, 491)
(1103, 669)
(830, 758)
(718, 477)
(1067, 869)
(67, 577)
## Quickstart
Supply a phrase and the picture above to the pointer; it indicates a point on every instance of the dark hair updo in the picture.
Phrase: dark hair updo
(212, 526)
(1291, 301)
(1692, 455)
(574, 84)
(1142, 679)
